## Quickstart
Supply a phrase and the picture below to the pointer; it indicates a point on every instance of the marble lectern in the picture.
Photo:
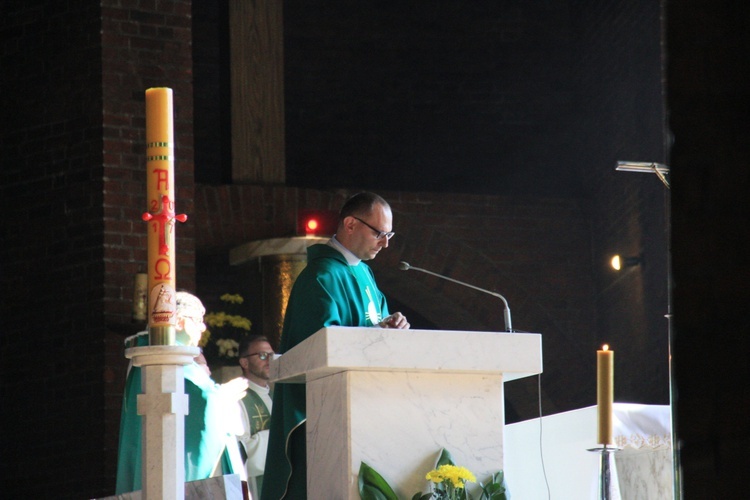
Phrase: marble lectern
(394, 398)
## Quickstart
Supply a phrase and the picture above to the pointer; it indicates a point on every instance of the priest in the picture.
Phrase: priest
(336, 288)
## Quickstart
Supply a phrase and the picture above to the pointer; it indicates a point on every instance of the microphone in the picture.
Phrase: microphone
(405, 266)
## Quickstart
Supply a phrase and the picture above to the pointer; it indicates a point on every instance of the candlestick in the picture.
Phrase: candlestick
(161, 216)
(608, 487)
(140, 287)
(605, 359)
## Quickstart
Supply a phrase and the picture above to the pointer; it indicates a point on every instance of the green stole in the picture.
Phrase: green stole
(260, 417)
(260, 420)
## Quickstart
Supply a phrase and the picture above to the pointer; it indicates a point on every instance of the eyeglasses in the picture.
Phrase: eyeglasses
(379, 235)
(261, 355)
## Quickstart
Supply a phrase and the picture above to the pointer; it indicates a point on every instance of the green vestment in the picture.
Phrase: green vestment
(328, 292)
(206, 435)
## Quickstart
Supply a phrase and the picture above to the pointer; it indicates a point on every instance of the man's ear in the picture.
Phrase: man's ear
(243, 363)
(348, 223)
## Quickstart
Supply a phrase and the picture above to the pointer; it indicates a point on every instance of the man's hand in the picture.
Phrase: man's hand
(395, 320)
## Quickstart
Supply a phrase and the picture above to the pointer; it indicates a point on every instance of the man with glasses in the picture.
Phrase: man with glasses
(255, 355)
(213, 420)
(336, 288)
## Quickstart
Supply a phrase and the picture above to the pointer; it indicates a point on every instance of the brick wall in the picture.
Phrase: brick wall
(52, 257)
(73, 124)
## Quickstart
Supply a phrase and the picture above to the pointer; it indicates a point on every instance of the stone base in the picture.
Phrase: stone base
(228, 487)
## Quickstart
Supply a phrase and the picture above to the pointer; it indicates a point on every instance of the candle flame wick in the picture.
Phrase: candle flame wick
(605, 347)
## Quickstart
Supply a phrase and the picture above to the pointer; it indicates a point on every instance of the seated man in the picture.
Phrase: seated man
(213, 421)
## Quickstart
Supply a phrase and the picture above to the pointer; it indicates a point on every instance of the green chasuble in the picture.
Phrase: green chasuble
(328, 292)
(206, 433)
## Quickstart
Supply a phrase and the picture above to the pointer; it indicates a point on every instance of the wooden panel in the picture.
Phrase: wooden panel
(257, 76)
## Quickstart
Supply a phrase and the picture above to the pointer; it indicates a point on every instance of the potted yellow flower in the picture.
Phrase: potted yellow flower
(448, 483)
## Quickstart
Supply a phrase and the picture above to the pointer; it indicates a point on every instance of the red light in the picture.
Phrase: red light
(316, 222)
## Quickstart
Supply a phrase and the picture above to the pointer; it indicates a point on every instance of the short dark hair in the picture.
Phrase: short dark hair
(361, 204)
(246, 342)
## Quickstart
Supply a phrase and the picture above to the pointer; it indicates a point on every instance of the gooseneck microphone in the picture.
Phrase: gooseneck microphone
(405, 266)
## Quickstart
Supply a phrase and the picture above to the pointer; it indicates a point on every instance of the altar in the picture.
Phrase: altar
(394, 398)
(553, 453)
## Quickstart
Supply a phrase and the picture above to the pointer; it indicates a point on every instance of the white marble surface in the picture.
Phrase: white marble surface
(645, 474)
(397, 423)
(336, 349)
(395, 398)
(162, 355)
(228, 487)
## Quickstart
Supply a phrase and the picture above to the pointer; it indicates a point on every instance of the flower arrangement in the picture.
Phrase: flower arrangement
(448, 483)
(224, 331)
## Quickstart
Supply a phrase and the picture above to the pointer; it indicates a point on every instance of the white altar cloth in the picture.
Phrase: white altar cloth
(642, 468)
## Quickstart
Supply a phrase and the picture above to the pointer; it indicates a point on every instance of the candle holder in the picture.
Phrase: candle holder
(608, 489)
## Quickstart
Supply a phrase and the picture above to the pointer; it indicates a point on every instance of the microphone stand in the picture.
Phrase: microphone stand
(405, 266)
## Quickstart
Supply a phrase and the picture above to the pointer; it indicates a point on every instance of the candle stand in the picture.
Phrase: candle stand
(163, 405)
(608, 489)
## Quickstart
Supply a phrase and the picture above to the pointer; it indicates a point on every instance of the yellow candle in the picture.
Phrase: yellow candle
(605, 362)
(160, 216)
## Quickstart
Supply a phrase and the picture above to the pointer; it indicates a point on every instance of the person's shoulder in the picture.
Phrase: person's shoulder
(321, 251)
(258, 389)
(324, 257)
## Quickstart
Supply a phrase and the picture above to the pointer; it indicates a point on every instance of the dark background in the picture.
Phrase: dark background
(493, 128)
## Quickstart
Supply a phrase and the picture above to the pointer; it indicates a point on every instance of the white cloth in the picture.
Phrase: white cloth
(638, 427)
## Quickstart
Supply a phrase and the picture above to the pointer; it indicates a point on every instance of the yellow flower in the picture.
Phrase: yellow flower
(232, 298)
(225, 329)
(456, 475)
(222, 319)
(434, 476)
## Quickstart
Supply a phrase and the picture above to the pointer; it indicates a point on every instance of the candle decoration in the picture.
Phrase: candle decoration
(161, 216)
(605, 359)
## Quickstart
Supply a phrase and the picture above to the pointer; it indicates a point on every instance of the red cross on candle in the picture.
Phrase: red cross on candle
(164, 218)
